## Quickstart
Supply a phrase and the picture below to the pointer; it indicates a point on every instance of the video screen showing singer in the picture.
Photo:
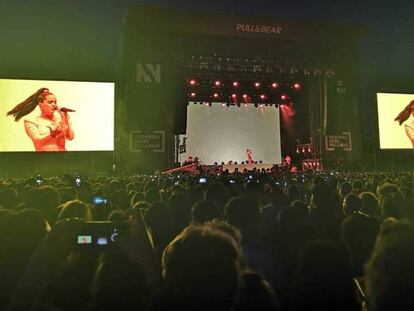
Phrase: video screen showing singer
(404, 116)
(49, 130)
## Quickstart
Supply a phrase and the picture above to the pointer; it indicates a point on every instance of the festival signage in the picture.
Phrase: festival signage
(146, 142)
(340, 141)
(268, 29)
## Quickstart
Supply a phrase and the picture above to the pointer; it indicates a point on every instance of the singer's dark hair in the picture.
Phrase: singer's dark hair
(29, 104)
(405, 113)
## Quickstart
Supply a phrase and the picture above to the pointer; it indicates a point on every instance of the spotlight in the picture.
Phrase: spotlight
(261, 105)
(263, 97)
(234, 96)
(207, 104)
(284, 97)
(193, 82)
(257, 84)
(223, 104)
(297, 86)
(236, 84)
(193, 94)
(245, 96)
(216, 95)
(245, 105)
(217, 83)
(275, 85)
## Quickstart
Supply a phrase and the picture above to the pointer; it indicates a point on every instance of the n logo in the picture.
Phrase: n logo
(149, 73)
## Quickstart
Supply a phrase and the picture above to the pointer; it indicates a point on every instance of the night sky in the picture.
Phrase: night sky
(96, 26)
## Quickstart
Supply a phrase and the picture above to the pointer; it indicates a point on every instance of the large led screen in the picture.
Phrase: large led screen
(219, 133)
(41, 116)
(395, 120)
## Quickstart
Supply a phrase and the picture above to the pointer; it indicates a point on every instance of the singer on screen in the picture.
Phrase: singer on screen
(49, 130)
(403, 116)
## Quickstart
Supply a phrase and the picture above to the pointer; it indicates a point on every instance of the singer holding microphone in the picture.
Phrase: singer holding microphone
(49, 130)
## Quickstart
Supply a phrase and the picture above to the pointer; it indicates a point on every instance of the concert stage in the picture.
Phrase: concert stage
(230, 96)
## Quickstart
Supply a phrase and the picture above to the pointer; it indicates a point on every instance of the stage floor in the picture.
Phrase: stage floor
(241, 167)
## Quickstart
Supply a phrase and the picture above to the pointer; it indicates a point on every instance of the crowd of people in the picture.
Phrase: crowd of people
(253, 240)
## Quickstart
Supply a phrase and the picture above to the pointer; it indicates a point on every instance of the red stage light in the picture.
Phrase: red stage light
(297, 86)
(235, 83)
(193, 94)
(215, 95)
(275, 85)
(193, 82)
(234, 95)
(217, 83)
(263, 97)
(283, 97)
(207, 104)
(245, 96)
(257, 84)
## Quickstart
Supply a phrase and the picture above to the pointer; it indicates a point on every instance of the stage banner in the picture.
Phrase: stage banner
(342, 128)
(216, 24)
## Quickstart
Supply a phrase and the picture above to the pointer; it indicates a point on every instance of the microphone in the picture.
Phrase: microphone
(63, 109)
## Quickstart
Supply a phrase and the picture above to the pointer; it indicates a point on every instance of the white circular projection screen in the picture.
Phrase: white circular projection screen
(92, 120)
(219, 133)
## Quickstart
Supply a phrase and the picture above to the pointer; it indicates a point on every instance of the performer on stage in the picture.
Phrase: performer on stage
(409, 125)
(188, 161)
(249, 156)
(51, 128)
(288, 161)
